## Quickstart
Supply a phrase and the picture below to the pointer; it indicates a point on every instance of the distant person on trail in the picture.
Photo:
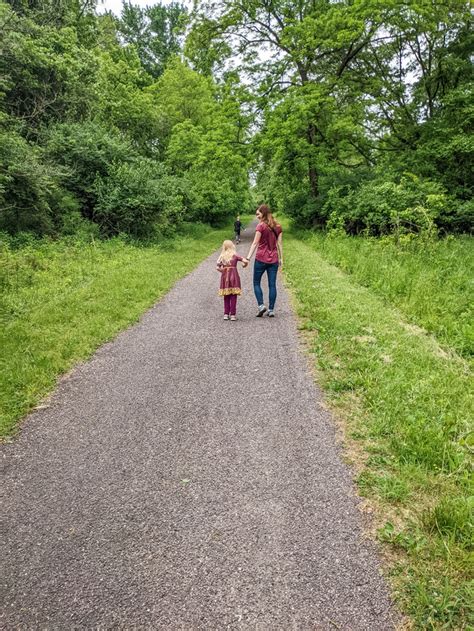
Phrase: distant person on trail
(230, 286)
(268, 242)
(237, 228)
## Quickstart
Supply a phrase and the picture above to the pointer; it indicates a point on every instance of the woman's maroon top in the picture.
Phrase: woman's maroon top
(267, 251)
(230, 279)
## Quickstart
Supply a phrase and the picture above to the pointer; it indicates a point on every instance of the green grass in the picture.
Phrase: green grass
(59, 300)
(431, 282)
(407, 407)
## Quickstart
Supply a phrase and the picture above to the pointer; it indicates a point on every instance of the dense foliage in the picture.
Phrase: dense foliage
(355, 114)
(366, 106)
(105, 129)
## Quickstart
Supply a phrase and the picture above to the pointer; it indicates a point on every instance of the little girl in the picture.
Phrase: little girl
(230, 280)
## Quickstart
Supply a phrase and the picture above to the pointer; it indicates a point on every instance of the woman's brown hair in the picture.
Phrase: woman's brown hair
(267, 216)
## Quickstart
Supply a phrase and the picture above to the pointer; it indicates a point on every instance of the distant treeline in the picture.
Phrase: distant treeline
(106, 130)
(366, 107)
(355, 115)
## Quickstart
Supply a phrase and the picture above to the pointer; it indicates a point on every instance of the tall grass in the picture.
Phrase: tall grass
(407, 407)
(59, 300)
(431, 282)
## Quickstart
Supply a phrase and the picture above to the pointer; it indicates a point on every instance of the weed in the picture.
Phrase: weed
(407, 274)
(415, 408)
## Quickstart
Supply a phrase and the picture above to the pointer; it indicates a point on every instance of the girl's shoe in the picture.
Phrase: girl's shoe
(271, 314)
(226, 317)
(261, 311)
(233, 318)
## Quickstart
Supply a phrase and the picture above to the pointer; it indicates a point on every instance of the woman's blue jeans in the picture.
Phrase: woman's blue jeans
(272, 270)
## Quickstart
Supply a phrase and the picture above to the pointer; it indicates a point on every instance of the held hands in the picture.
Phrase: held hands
(245, 262)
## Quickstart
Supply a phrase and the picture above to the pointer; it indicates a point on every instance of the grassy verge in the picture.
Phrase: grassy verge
(431, 282)
(406, 407)
(60, 300)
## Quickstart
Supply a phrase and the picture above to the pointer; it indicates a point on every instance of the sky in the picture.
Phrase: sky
(116, 5)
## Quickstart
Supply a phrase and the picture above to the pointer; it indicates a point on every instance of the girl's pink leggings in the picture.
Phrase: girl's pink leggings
(230, 304)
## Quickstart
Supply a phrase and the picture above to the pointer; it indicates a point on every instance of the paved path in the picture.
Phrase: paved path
(187, 478)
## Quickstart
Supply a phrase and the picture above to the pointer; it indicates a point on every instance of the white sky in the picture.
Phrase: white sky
(116, 5)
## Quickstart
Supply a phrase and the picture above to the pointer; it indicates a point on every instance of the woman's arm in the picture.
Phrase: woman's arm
(253, 247)
(280, 249)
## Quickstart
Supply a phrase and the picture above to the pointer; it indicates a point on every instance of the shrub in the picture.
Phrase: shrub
(85, 151)
(31, 196)
(382, 207)
(458, 218)
(136, 198)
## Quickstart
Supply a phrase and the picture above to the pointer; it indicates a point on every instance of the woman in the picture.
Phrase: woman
(268, 242)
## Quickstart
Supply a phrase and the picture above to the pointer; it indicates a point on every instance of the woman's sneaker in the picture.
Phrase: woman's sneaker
(271, 314)
(261, 311)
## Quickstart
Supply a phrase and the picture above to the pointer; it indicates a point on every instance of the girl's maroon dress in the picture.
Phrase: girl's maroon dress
(230, 279)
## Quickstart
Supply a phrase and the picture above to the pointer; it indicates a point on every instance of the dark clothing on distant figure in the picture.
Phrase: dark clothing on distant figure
(237, 226)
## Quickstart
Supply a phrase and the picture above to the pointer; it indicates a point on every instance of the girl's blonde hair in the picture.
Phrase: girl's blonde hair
(227, 252)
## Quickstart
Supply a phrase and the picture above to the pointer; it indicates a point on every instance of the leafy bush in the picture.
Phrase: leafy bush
(383, 206)
(458, 218)
(85, 151)
(31, 196)
(135, 197)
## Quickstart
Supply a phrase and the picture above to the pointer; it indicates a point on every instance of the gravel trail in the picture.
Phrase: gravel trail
(188, 477)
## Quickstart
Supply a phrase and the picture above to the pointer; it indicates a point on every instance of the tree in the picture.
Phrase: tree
(156, 32)
(342, 87)
(47, 75)
(204, 135)
(305, 44)
(124, 101)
